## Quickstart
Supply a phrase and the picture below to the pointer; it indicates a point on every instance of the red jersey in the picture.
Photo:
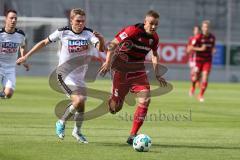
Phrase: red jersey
(209, 42)
(136, 43)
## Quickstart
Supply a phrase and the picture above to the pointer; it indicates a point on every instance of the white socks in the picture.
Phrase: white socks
(78, 117)
(68, 114)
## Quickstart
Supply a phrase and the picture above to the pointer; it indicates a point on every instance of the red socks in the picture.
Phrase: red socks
(139, 117)
(203, 88)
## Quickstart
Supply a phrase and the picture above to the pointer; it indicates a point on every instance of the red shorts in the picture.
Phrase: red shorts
(125, 82)
(203, 66)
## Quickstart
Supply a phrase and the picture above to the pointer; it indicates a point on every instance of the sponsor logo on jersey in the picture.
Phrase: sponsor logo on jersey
(142, 47)
(128, 44)
(125, 46)
(76, 46)
(8, 47)
(123, 35)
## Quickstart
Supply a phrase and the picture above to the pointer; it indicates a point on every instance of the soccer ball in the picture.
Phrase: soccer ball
(142, 143)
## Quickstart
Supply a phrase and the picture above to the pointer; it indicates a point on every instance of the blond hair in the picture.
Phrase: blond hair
(206, 22)
(152, 13)
(77, 11)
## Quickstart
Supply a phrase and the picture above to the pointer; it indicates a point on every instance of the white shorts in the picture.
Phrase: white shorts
(75, 87)
(74, 82)
(8, 80)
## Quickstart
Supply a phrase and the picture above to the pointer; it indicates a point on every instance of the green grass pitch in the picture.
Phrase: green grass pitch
(189, 130)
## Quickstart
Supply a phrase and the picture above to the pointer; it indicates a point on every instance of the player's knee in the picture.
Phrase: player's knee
(194, 78)
(146, 101)
(114, 106)
(78, 102)
(205, 77)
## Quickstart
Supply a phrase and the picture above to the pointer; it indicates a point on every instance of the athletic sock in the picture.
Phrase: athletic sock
(203, 88)
(138, 119)
(193, 86)
(68, 113)
(78, 117)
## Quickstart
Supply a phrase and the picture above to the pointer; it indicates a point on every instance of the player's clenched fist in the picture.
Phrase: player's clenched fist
(21, 60)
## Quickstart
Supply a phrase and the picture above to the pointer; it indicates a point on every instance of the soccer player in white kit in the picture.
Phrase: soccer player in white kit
(12, 40)
(75, 40)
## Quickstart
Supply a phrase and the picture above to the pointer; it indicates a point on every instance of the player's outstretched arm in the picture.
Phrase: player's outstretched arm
(101, 45)
(155, 61)
(22, 50)
(202, 48)
(35, 48)
(110, 51)
(189, 49)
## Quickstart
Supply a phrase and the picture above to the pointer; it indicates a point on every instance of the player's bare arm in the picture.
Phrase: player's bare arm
(23, 52)
(202, 48)
(214, 50)
(100, 46)
(110, 51)
(37, 47)
(155, 60)
(189, 49)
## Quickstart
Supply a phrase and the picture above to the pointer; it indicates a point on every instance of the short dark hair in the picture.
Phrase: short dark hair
(153, 14)
(9, 11)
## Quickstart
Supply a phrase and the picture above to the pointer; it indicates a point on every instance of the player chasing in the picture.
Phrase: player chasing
(192, 59)
(204, 46)
(12, 41)
(134, 43)
(75, 41)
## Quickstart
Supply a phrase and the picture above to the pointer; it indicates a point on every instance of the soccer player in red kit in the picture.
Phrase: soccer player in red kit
(134, 43)
(192, 58)
(205, 48)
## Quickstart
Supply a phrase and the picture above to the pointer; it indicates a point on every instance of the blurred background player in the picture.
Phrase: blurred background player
(204, 45)
(134, 43)
(12, 41)
(192, 59)
(75, 40)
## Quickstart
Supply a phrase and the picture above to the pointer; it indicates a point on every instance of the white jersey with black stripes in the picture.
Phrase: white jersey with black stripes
(9, 48)
(72, 46)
